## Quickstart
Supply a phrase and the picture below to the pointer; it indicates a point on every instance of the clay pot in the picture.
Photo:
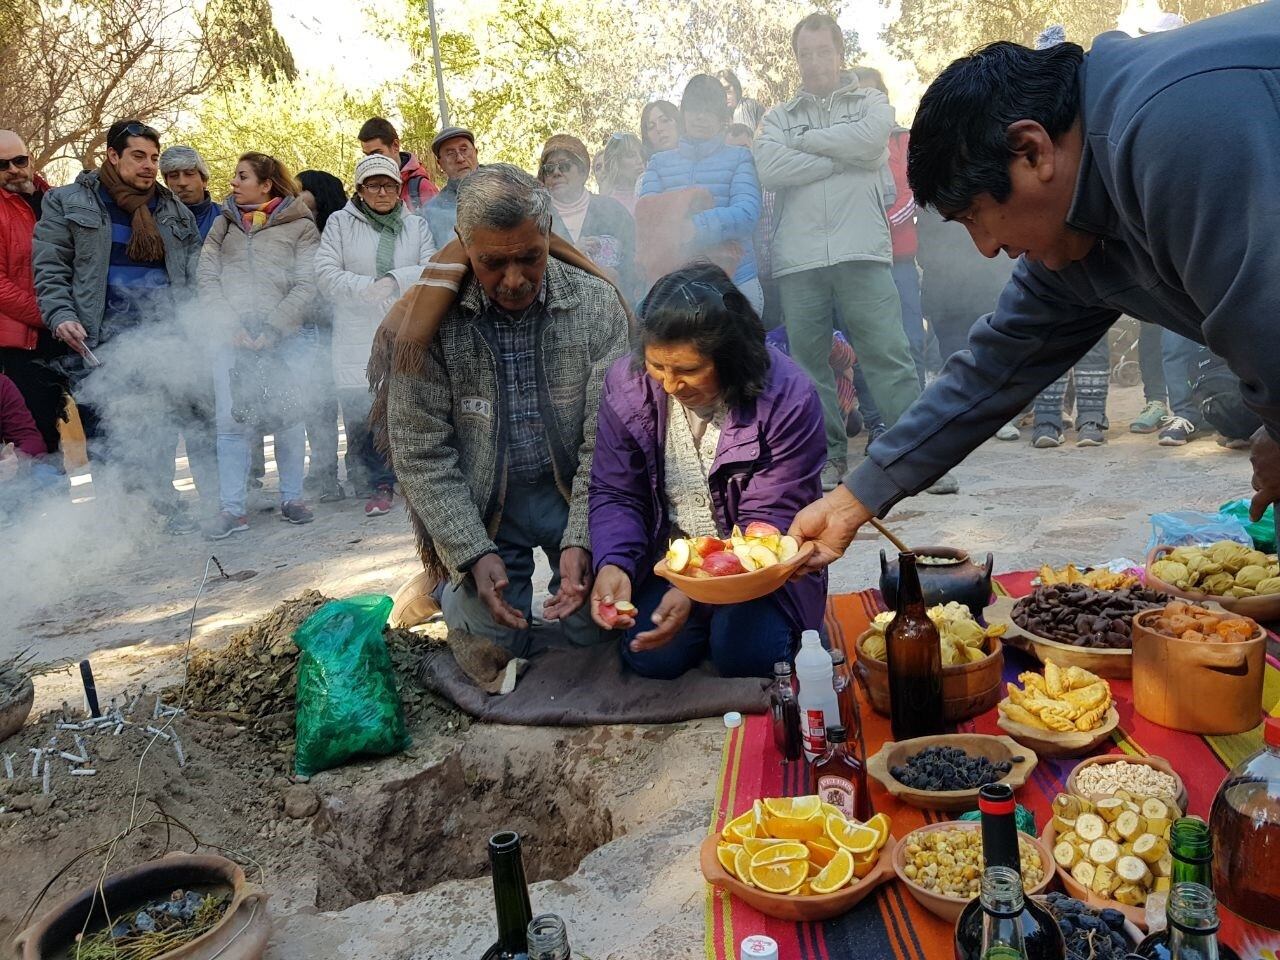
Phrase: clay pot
(241, 934)
(961, 580)
(968, 689)
(1205, 688)
(15, 710)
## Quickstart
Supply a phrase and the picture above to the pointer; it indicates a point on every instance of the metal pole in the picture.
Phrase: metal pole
(435, 56)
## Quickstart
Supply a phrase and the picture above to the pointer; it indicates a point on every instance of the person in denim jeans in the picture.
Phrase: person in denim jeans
(257, 280)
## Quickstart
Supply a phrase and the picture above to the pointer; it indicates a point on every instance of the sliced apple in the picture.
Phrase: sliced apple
(759, 530)
(743, 553)
(625, 608)
(762, 556)
(704, 546)
(788, 547)
(678, 555)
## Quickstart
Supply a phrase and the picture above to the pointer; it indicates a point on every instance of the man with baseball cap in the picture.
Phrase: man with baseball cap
(187, 175)
(455, 150)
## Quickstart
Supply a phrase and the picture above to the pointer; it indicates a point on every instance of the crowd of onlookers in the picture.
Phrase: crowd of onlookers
(168, 314)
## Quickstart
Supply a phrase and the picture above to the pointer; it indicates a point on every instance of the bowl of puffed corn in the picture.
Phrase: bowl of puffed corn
(941, 865)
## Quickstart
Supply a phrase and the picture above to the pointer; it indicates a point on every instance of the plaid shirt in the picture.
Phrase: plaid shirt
(528, 456)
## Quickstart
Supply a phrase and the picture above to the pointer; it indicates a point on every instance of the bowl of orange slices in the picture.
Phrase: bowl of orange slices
(798, 858)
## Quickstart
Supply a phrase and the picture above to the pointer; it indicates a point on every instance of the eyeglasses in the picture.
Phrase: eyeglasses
(18, 162)
(133, 130)
(558, 166)
(380, 187)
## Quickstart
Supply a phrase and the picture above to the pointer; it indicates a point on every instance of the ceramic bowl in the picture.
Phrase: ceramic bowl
(1113, 664)
(950, 908)
(1158, 763)
(1259, 608)
(968, 689)
(798, 909)
(1135, 915)
(1053, 743)
(738, 588)
(894, 754)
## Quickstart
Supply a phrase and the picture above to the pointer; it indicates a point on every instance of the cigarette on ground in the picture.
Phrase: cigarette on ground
(177, 748)
(83, 772)
(37, 753)
(8, 765)
(44, 786)
(119, 727)
(159, 733)
(72, 758)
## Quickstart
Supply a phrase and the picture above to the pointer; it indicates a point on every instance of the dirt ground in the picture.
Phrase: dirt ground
(386, 858)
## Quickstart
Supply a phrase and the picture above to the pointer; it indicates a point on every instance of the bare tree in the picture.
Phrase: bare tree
(71, 68)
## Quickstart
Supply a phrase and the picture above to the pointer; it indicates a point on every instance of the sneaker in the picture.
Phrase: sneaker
(1046, 435)
(224, 525)
(1009, 431)
(833, 473)
(1090, 435)
(1148, 421)
(380, 503)
(296, 511)
(1235, 443)
(331, 492)
(876, 432)
(179, 523)
(944, 485)
(1177, 431)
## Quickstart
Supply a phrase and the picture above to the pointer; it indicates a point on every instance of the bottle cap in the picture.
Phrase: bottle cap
(733, 719)
(810, 636)
(1271, 731)
(836, 734)
(837, 656)
(758, 947)
(782, 667)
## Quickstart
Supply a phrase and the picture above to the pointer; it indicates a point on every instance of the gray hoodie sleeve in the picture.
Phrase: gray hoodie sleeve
(1037, 332)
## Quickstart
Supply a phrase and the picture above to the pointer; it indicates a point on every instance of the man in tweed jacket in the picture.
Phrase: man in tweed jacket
(492, 437)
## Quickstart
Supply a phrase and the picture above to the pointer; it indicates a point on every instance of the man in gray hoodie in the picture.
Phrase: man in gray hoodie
(1115, 178)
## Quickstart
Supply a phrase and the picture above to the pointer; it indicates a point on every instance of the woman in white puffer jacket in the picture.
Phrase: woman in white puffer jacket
(371, 252)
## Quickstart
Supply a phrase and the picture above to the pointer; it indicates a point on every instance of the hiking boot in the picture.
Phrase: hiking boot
(1177, 431)
(296, 511)
(380, 503)
(832, 473)
(224, 525)
(1090, 434)
(944, 485)
(1148, 421)
(1045, 436)
(178, 522)
(1009, 431)
(1235, 443)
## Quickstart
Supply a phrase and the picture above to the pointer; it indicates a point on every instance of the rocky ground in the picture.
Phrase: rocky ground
(387, 858)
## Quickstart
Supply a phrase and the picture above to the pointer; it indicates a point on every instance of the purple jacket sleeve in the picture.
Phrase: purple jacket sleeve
(16, 425)
(619, 499)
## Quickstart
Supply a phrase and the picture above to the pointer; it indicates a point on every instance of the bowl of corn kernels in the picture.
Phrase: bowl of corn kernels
(941, 864)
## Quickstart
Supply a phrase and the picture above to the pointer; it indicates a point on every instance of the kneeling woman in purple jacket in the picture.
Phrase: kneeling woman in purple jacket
(704, 428)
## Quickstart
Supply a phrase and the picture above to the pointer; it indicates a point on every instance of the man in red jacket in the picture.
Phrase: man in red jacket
(24, 340)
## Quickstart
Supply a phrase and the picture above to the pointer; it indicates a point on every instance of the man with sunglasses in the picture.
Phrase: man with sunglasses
(115, 254)
(25, 343)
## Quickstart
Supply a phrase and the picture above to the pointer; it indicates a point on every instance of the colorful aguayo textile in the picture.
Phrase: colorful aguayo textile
(890, 925)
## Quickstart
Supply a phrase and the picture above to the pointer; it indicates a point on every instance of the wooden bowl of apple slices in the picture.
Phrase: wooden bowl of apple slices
(748, 565)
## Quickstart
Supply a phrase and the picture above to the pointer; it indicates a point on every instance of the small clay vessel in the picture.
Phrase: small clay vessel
(960, 579)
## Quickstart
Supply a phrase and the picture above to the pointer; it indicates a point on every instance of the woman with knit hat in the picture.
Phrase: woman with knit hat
(598, 226)
(371, 254)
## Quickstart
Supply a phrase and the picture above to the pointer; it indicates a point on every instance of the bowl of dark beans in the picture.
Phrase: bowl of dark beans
(945, 772)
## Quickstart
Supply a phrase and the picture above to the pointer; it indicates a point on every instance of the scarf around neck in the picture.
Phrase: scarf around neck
(254, 216)
(145, 244)
(388, 227)
(573, 214)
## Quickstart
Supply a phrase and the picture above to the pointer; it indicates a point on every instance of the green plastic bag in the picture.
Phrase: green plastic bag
(347, 699)
(1263, 532)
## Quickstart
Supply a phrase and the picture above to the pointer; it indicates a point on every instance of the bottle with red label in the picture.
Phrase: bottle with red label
(840, 778)
(819, 708)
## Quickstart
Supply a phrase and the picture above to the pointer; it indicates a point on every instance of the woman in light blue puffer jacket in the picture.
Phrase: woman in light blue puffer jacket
(722, 231)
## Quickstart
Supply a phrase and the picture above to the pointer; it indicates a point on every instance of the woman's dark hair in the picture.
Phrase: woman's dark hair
(731, 78)
(959, 141)
(327, 189)
(705, 93)
(665, 107)
(700, 305)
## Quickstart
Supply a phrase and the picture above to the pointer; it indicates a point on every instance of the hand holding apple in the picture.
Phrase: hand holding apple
(611, 606)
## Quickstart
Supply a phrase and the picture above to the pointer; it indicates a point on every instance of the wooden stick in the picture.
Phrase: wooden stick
(888, 535)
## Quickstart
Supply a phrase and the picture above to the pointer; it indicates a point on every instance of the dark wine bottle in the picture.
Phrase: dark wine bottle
(1041, 938)
(1192, 931)
(915, 660)
(510, 897)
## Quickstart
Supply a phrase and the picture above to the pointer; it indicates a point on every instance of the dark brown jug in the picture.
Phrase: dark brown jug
(960, 580)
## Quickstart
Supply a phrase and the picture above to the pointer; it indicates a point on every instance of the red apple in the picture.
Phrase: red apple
(611, 613)
(759, 530)
(722, 564)
(678, 555)
(703, 546)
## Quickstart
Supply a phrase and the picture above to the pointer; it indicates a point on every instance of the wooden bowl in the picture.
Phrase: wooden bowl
(1159, 763)
(1052, 743)
(1259, 608)
(738, 588)
(1135, 915)
(1112, 664)
(893, 754)
(1131, 929)
(968, 689)
(798, 909)
(950, 908)
(1204, 688)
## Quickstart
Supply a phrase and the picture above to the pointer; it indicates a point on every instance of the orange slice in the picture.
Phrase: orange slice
(794, 808)
(821, 851)
(814, 870)
(853, 837)
(863, 867)
(830, 808)
(780, 877)
(726, 852)
(880, 824)
(835, 874)
(742, 866)
(755, 844)
(780, 853)
(739, 828)
(788, 828)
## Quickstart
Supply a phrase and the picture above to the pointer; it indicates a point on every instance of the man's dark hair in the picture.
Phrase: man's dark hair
(700, 305)
(740, 130)
(375, 128)
(959, 141)
(119, 133)
(327, 189)
(705, 93)
(731, 78)
(820, 21)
